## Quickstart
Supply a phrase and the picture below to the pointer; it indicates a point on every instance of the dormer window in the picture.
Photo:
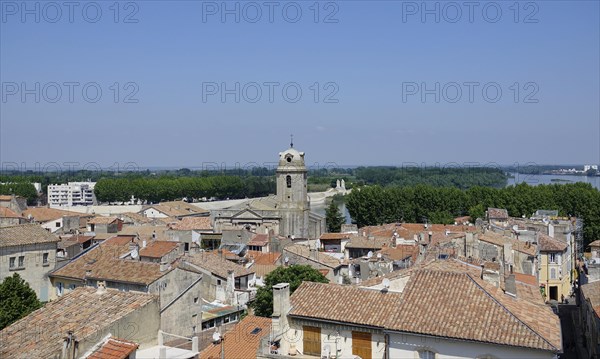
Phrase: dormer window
(288, 158)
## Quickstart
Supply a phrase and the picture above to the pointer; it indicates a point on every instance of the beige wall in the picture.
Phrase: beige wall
(562, 280)
(180, 317)
(34, 271)
(67, 286)
(330, 335)
(140, 326)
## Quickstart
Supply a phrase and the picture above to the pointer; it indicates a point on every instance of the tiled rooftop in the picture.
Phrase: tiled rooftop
(114, 348)
(591, 292)
(212, 262)
(334, 236)
(367, 243)
(45, 214)
(259, 240)
(158, 249)
(103, 263)
(41, 333)
(497, 213)
(102, 220)
(344, 304)
(23, 234)
(304, 251)
(191, 223)
(242, 341)
(549, 244)
(176, 208)
(9, 213)
(461, 306)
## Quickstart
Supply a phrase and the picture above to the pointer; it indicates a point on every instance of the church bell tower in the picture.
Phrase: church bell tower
(292, 197)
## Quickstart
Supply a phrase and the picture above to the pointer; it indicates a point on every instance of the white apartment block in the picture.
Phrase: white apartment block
(71, 194)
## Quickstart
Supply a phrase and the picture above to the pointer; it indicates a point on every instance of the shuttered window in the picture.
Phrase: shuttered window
(361, 344)
(312, 340)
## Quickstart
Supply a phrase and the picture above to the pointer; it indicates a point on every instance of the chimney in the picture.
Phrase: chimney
(281, 306)
(510, 286)
(281, 299)
(70, 346)
(230, 288)
(313, 254)
(101, 287)
(164, 266)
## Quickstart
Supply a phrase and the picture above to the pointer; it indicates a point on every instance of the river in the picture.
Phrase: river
(547, 179)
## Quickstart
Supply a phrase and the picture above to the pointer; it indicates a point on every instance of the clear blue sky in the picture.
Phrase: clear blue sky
(371, 54)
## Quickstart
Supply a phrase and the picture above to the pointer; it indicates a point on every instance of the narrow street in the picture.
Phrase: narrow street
(566, 314)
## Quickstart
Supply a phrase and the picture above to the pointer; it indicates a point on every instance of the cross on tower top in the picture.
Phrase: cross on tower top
(291, 141)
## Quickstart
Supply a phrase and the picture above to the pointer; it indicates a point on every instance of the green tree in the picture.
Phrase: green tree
(334, 218)
(294, 275)
(17, 300)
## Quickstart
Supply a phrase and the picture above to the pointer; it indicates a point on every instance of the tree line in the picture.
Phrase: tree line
(459, 177)
(375, 205)
(170, 188)
(23, 189)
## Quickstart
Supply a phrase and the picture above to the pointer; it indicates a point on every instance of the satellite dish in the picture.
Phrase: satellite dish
(216, 336)
(515, 228)
(370, 254)
(386, 283)
(378, 255)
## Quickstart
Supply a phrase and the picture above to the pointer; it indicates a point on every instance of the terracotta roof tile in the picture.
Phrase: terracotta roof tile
(25, 234)
(304, 251)
(264, 258)
(9, 213)
(549, 244)
(103, 263)
(212, 262)
(461, 306)
(595, 243)
(367, 243)
(348, 304)
(259, 240)
(176, 208)
(158, 249)
(191, 223)
(41, 333)
(242, 341)
(44, 214)
(497, 213)
(102, 220)
(401, 252)
(334, 236)
(114, 348)
(527, 279)
(591, 292)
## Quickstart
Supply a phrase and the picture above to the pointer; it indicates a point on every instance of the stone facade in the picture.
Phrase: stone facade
(38, 260)
(287, 213)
